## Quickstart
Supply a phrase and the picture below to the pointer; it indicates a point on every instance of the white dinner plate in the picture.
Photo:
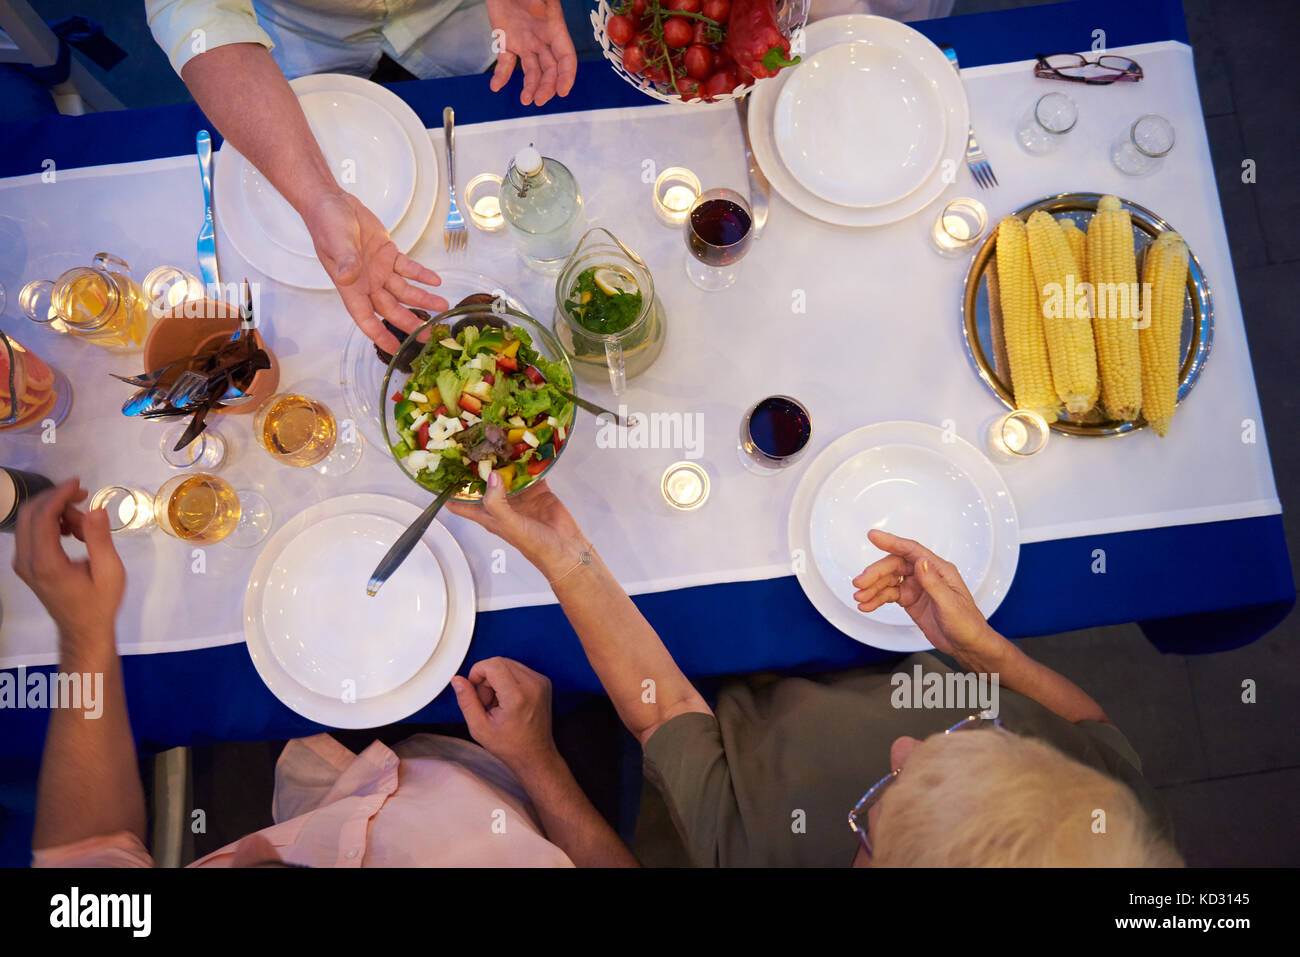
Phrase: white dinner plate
(906, 490)
(860, 124)
(306, 605)
(854, 28)
(305, 272)
(361, 373)
(445, 639)
(828, 589)
(366, 150)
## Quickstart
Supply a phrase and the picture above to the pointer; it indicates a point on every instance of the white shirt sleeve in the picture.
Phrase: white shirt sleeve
(186, 28)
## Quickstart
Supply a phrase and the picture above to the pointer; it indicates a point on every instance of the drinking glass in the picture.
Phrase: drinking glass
(302, 432)
(718, 234)
(206, 451)
(1142, 148)
(1045, 123)
(204, 509)
(774, 434)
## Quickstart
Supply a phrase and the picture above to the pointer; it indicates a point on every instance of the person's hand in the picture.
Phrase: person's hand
(535, 521)
(932, 592)
(535, 35)
(82, 597)
(507, 707)
(367, 269)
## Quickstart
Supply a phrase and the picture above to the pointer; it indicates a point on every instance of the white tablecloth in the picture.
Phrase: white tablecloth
(880, 339)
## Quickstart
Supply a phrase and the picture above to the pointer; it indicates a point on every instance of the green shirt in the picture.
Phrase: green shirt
(771, 779)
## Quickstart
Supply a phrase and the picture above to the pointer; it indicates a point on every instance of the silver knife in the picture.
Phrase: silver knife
(760, 190)
(207, 239)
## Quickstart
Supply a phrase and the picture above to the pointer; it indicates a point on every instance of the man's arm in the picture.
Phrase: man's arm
(643, 682)
(242, 91)
(89, 781)
(507, 707)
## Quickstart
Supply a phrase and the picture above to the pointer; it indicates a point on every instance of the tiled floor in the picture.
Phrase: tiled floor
(1230, 771)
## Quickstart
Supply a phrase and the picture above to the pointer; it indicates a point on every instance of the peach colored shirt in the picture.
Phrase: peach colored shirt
(430, 801)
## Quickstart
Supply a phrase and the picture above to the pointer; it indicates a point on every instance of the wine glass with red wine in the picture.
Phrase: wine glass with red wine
(774, 434)
(719, 229)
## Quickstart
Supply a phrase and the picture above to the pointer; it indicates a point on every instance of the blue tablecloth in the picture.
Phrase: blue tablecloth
(1194, 588)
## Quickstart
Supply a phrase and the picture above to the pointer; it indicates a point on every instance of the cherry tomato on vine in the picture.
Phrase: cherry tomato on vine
(718, 10)
(677, 32)
(620, 29)
(699, 61)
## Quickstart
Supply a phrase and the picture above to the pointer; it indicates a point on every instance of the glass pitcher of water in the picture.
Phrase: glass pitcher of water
(607, 316)
(100, 303)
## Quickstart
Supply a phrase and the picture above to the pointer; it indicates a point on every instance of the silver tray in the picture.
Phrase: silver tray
(977, 320)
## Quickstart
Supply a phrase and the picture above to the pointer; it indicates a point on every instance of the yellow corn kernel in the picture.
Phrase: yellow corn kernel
(1117, 304)
(1067, 324)
(1165, 272)
(1022, 322)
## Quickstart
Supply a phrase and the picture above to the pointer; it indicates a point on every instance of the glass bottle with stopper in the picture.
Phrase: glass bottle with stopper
(542, 206)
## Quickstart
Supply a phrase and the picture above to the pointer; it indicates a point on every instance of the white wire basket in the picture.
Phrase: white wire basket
(791, 16)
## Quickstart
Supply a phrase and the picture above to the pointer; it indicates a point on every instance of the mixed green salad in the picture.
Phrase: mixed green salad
(481, 402)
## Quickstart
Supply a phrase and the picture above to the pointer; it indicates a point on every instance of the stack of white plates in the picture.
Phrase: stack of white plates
(331, 652)
(377, 149)
(913, 480)
(868, 130)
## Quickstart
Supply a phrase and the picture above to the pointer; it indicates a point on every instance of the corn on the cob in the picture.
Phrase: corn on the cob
(1078, 244)
(997, 327)
(1022, 322)
(1067, 324)
(1112, 270)
(1165, 270)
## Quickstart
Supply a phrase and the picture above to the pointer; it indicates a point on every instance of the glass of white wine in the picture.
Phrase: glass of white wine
(204, 509)
(302, 432)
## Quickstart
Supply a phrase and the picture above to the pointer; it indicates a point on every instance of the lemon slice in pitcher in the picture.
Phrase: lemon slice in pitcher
(615, 282)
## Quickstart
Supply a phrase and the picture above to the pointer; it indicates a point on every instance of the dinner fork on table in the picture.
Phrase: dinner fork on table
(976, 161)
(454, 234)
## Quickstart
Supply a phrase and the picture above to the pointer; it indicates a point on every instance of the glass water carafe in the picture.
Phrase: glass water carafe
(542, 205)
(100, 303)
(606, 335)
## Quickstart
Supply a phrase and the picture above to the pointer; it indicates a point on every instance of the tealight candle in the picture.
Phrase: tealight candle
(1018, 434)
(959, 226)
(676, 189)
(685, 486)
(484, 203)
(128, 509)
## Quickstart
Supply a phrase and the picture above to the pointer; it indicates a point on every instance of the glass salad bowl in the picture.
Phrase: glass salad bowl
(485, 316)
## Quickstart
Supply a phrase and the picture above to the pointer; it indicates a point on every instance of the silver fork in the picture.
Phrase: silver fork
(976, 161)
(188, 387)
(454, 234)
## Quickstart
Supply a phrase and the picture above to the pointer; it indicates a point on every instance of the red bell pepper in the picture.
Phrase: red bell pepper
(509, 363)
(518, 449)
(537, 466)
(397, 396)
(756, 42)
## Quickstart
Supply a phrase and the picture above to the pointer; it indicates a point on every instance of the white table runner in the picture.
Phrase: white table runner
(879, 339)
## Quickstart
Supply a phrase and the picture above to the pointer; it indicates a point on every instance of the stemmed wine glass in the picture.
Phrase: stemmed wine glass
(302, 432)
(719, 230)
